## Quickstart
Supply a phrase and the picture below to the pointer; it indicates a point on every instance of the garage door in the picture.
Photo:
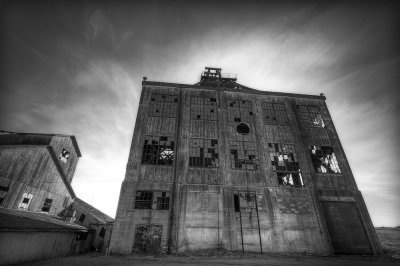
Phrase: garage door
(345, 228)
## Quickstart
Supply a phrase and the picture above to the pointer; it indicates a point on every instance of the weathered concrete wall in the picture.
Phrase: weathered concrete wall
(18, 247)
(202, 212)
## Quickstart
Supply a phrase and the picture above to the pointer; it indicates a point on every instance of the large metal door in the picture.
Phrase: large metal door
(346, 231)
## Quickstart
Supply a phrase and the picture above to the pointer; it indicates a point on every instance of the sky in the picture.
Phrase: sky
(76, 68)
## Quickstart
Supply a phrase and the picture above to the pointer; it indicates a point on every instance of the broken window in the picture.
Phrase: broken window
(244, 155)
(275, 114)
(324, 159)
(158, 150)
(203, 108)
(25, 201)
(163, 105)
(240, 111)
(47, 205)
(64, 155)
(82, 218)
(162, 200)
(203, 153)
(285, 164)
(143, 199)
(310, 116)
(243, 129)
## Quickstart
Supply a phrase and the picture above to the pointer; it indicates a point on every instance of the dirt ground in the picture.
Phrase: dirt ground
(389, 237)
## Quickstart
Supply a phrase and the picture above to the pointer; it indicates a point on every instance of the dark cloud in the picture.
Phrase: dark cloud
(76, 68)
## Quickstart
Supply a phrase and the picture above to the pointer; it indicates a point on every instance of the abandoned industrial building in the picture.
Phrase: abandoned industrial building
(38, 206)
(218, 164)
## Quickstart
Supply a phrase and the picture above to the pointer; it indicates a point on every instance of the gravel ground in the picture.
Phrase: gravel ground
(389, 237)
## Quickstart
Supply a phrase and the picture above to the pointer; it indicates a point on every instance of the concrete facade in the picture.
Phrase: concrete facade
(218, 164)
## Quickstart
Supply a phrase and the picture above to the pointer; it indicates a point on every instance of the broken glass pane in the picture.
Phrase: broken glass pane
(158, 150)
(310, 116)
(324, 159)
(64, 155)
(203, 153)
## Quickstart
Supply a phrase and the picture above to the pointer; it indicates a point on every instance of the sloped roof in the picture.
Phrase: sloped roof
(18, 138)
(20, 220)
(96, 213)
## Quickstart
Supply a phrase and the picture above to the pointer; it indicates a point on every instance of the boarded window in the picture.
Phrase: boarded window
(324, 159)
(82, 218)
(163, 105)
(158, 150)
(310, 116)
(162, 200)
(203, 153)
(47, 205)
(203, 108)
(244, 155)
(143, 199)
(275, 114)
(64, 155)
(284, 162)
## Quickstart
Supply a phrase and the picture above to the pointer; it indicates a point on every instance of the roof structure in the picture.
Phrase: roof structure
(21, 220)
(17, 138)
(96, 213)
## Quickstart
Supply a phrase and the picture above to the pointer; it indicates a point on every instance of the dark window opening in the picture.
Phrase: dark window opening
(102, 232)
(162, 201)
(158, 150)
(244, 155)
(81, 236)
(2, 188)
(310, 116)
(324, 159)
(64, 155)
(47, 205)
(236, 202)
(275, 113)
(143, 199)
(243, 129)
(25, 200)
(82, 218)
(203, 153)
(1, 201)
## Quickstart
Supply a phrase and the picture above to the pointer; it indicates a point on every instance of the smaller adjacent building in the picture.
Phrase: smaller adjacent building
(98, 223)
(36, 171)
(40, 215)
(29, 236)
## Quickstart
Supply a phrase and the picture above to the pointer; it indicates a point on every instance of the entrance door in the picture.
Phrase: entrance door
(148, 239)
(346, 231)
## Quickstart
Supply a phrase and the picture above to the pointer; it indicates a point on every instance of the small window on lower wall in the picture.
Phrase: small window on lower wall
(156, 200)
(324, 159)
(47, 205)
(143, 199)
(162, 200)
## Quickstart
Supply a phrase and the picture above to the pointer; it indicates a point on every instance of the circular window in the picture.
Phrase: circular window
(243, 129)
